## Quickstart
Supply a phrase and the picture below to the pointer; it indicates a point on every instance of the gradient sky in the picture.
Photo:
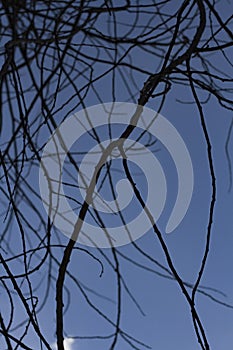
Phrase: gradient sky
(163, 319)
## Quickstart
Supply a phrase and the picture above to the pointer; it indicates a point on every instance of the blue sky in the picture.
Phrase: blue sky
(158, 314)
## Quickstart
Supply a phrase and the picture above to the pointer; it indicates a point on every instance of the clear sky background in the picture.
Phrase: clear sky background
(159, 316)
